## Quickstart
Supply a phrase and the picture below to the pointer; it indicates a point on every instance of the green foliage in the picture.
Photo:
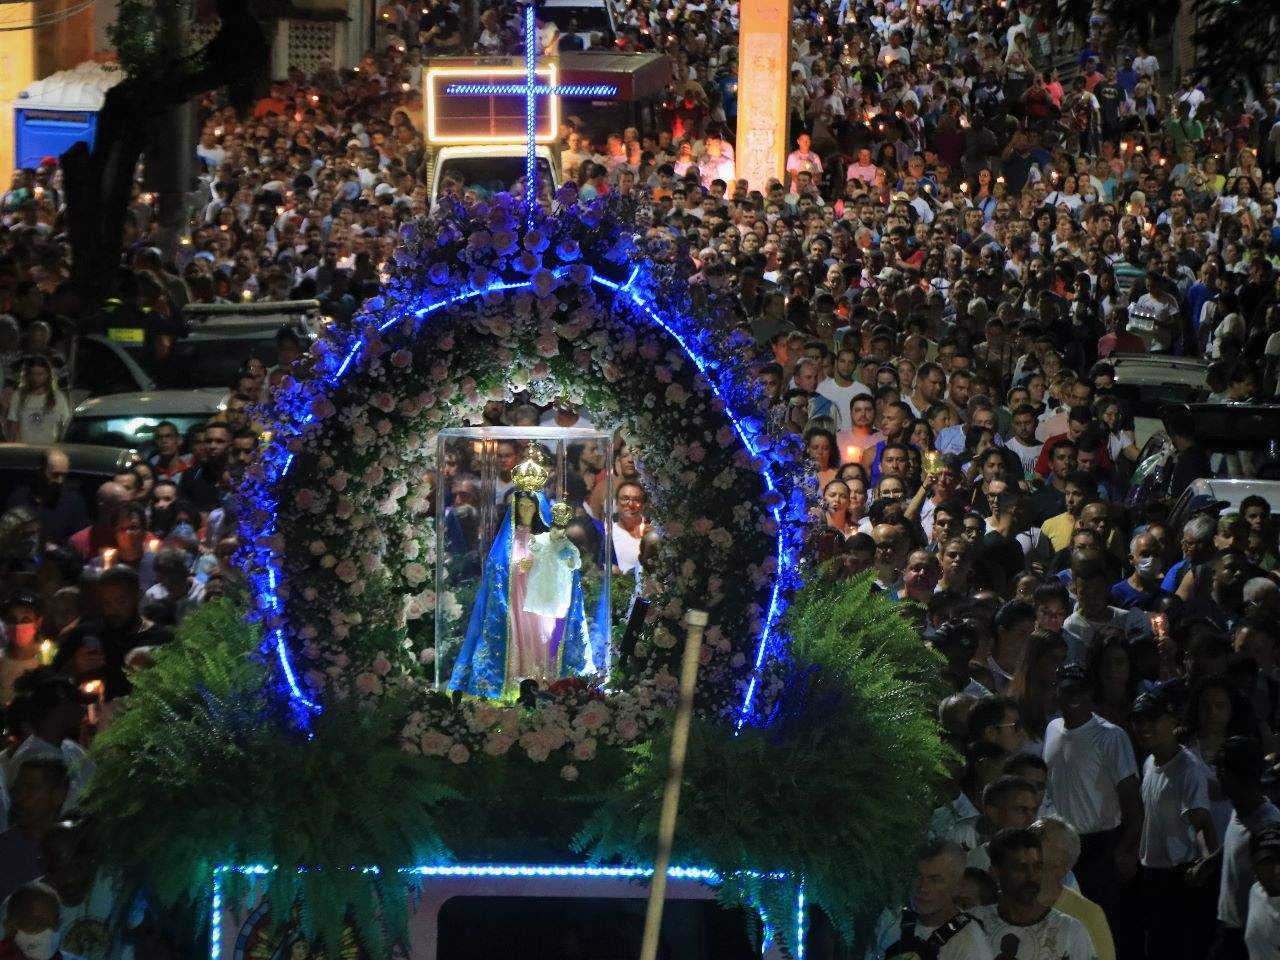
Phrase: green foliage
(836, 790)
(143, 35)
(203, 770)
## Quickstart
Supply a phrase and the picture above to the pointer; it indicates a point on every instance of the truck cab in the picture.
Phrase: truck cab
(493, 166)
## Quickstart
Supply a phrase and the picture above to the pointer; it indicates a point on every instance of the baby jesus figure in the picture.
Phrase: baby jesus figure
(550, 565)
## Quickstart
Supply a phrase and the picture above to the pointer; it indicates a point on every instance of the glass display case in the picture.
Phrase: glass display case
(518, 547)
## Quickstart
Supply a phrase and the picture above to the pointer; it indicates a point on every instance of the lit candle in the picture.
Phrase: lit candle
(47, 651)
(108, 557)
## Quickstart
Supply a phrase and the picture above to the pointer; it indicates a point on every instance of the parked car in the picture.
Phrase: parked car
(1225, 429)
(100, 365)
(128, 420)
(90, 466)
(215, 341)
(1230, 491)
(1147, 383)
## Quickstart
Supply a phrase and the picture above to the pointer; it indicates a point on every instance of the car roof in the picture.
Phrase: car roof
(1235, 490)
(162, 402)
(83, 458)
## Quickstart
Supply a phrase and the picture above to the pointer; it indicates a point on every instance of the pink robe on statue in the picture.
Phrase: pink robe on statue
(531, 650)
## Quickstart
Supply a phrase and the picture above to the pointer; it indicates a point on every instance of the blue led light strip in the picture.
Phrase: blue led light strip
(775, 598)
(539, 90)
(501, 870)
(530, 113)
(641, 303)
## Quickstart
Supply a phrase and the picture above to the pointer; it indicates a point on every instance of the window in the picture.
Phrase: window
(126, 431)
(100, 370)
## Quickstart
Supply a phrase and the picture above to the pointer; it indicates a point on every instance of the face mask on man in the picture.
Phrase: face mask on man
(1148, 567)
(37, 946)
(23, 634)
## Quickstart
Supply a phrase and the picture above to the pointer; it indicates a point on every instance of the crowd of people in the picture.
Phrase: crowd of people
(970, 227)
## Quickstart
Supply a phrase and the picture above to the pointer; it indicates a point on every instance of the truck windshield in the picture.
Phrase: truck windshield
(491, 173)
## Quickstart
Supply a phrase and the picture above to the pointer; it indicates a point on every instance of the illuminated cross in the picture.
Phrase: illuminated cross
(531, 90)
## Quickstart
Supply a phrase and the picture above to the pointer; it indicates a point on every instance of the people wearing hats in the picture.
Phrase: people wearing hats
(1177, 831)
(1262, 929)
(1093, 785)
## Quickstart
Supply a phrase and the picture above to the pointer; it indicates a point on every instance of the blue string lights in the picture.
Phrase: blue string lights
(513, 871)
(539, 90)
(636, 295)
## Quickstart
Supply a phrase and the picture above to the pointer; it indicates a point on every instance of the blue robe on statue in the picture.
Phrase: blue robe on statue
(485, 661)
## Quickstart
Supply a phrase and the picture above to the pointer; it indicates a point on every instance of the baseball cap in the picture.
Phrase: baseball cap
(1207, 503)
(1150, 705)
(1264, 843)
(1072, 675)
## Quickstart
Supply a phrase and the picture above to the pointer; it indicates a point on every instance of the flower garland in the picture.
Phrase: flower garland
(337, 515)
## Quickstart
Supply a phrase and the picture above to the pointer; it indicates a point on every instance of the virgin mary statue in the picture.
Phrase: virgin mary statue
(513, 636)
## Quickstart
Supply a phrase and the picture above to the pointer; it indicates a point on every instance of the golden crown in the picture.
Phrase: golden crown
(530, 476)
(561, 514)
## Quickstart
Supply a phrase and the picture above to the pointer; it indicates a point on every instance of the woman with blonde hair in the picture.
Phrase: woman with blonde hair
(38, 411)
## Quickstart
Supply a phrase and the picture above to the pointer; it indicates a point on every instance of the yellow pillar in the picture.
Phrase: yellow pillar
(764, 76)
(17, 71)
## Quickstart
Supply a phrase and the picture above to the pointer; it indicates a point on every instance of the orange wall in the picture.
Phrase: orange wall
(764, 70)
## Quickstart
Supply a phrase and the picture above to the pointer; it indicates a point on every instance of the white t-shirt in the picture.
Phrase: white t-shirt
(1078, 631)
(1028, 453)
(1085, 765)
(1262, 931)
(626, 548)
(957, 821)
(1056, 937)
(38, 423)
(1169, 792)
(840, 398)
(1237, 864)
(969, 943)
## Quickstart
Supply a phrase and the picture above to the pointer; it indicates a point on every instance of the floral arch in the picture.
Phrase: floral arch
(337, 515)
(213, 761)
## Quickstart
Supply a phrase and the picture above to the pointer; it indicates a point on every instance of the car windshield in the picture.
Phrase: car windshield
(494, 174)
(124, 430)
(1147, 399)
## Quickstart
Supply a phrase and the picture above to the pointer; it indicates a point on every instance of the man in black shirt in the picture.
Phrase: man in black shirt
(97, 649)
(1110, 96)
(439, 30)
(62, 511)
(1002, 558)
(201, 484)
(1190, 461)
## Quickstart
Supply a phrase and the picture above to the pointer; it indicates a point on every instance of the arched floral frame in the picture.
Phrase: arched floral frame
(336, 513)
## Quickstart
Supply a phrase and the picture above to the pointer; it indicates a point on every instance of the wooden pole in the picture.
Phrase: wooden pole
(695, 623)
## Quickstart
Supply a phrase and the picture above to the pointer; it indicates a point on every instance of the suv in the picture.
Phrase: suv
(1221, 429)
(1146, 384)
(219, 337)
